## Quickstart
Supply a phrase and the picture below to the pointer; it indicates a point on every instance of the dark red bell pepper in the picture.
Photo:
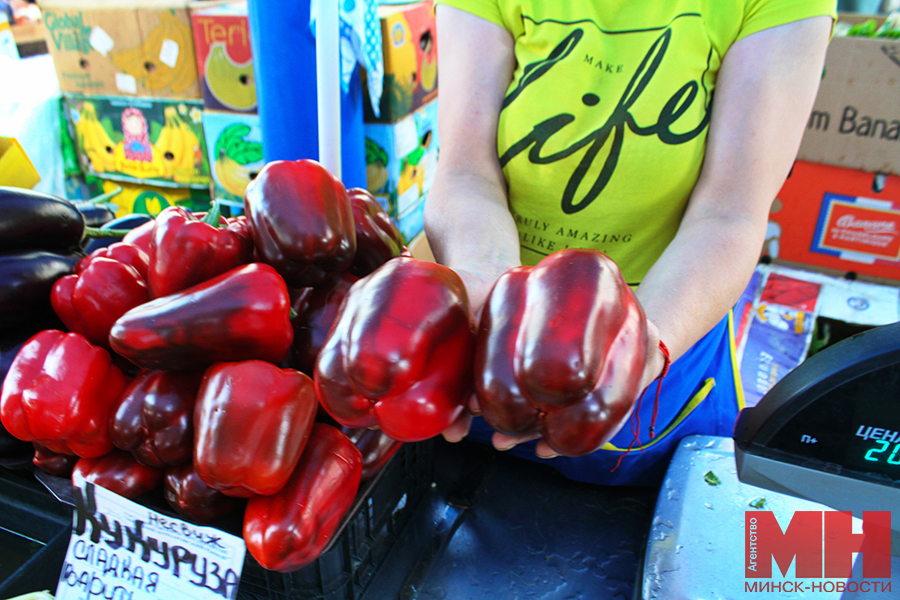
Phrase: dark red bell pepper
(59, 392)
(186, 493)
(141, 236)
(561, 351)
(154, 418)
(301, 221)
(289, 530)
(185, 250)
(59, 465)
(399, 355)
(378, 239)
(376, 448)
(120, 473)
(106, 284)
(252, 421)
(316, 311)
(240, 315)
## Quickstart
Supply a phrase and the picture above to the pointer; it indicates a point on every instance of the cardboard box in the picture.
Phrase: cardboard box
(409, 47)
(141, 48)
(855, 122)
(835, 218)
(149, 200)
(152, 142)
(234, 145)
(224, 57)
(401, 159)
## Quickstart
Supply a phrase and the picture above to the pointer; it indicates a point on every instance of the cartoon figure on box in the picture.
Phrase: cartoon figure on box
(428, 75)
(136, 144)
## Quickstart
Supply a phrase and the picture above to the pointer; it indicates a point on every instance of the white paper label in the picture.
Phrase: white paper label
(406, 137)
(407, 200)
(126, 83)
(100, 40)
(120, 549)
(168, 53)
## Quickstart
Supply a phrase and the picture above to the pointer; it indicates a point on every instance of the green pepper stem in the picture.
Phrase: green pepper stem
(93, 233)
(214, 214)
(104, 197)
(294, 313)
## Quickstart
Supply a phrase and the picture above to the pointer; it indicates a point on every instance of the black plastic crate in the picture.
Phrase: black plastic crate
(384, 505)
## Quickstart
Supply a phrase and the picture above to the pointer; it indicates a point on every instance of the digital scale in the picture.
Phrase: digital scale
(830, 430)
(825, 437)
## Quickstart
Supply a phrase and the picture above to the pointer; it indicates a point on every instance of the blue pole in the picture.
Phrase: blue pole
(284, 64)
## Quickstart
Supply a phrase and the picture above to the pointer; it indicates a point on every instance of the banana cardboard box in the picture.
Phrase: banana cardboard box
(401, 159)
(224, 57)
(149, 200)
(234, 144)
(153, 142)
(409, 49)
(140, 48)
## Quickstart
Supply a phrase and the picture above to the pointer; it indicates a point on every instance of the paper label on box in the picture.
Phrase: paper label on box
(855, 229)
(126, 83)
(407, 200)
(121, 549)
(406, 137)
(100, 40)
(168, 53)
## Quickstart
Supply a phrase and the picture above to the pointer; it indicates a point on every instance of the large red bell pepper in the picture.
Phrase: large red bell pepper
(301, 221)
(289, 530)
(378, 239)
(561, 351)
(240, 315)
(59, 392)
(399, 355)
(185, 250)
(106, 284)
(186, 493)
(154, 418)
(252, 421)
(316, 310)
(120, 473)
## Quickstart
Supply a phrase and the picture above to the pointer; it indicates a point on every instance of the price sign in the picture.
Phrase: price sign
(124, 551)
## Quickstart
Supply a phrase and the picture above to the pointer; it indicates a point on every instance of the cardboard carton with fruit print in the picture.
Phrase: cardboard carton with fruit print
(401, 159)
(234, 143)
(149, 200)
(409, 49)
(154, 142)
(139, 48)
(224, 58)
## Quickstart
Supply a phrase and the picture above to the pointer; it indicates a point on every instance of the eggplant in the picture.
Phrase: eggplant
(97, 215)
(26, 279)
(128, 222)
(32, 220)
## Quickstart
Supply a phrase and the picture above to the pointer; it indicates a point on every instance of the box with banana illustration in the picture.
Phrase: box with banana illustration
(140, 48)
(409, 49)
(234, 144)
(155, 142)
(224, 56)
(401, 159)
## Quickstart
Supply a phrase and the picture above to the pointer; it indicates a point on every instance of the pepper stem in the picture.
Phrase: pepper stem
(105, 197)
(293, 313)
(93, 233)
(214, 214)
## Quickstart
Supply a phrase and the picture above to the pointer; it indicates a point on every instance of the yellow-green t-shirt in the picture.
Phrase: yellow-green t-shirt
(603, 128)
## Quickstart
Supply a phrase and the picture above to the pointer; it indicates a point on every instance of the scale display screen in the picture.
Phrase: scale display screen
(855, 425)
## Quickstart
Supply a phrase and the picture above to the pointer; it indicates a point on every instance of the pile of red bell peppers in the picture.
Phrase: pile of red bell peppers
(270, 362)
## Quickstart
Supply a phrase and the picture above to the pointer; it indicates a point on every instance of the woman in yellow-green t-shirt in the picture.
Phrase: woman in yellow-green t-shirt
(656, 132)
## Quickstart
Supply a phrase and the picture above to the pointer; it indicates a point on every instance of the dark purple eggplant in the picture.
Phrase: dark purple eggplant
(31, 220)
(26, 279)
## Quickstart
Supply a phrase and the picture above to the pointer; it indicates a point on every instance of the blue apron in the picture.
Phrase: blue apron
(701, 394)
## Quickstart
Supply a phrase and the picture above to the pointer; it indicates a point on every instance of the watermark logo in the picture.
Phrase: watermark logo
(821, 545)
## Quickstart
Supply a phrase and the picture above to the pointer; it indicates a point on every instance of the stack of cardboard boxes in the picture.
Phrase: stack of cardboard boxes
(128, 74)
(230, 121)
(401, 137)
(834, 228)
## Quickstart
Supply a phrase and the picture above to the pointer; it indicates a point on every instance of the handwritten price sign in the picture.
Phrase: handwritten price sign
(124, 551)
